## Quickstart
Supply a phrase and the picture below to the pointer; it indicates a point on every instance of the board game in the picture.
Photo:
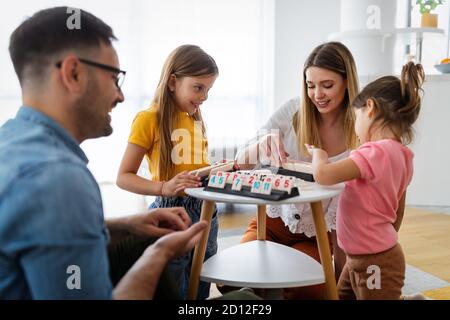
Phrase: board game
(268, 183)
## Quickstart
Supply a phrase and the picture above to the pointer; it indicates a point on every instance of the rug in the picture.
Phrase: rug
(416, 280)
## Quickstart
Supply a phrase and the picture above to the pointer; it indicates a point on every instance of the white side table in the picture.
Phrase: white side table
(265, 264)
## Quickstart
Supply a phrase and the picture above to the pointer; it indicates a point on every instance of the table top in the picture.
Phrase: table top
(309, 192)
(262, 264)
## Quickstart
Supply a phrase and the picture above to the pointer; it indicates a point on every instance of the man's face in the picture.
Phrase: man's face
(101, 96)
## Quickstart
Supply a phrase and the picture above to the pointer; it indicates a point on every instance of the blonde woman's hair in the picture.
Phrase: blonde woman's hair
(397, 101)
(336, 57)
(184, 61)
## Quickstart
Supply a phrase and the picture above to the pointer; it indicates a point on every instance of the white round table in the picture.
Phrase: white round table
(265, 264)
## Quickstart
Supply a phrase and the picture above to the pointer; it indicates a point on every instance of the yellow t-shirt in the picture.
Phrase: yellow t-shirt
(190, 145)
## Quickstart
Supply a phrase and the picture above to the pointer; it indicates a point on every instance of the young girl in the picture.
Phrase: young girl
(377, 174)
(171, 135)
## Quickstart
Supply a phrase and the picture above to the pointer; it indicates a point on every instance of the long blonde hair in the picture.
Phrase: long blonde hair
(336, 57)
(184, 61)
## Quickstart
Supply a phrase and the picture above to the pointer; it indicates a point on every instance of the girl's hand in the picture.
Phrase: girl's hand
(271, 149)
(178, 183)
(310, 149)
(316, 152)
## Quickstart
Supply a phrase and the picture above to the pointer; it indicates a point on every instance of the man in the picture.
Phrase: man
(53, 238)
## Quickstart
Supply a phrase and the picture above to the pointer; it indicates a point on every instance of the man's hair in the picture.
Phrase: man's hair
(40, 38)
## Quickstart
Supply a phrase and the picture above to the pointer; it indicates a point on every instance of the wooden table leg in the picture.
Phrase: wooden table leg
(324, 250)
(200, 249)
(261, 222)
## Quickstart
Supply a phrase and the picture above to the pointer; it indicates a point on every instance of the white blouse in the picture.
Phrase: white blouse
(298, 217)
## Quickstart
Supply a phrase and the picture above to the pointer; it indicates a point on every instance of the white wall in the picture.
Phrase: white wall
(300, 26)
(431, 182)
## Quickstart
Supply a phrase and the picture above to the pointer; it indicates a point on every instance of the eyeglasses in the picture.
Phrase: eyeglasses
(120, 74)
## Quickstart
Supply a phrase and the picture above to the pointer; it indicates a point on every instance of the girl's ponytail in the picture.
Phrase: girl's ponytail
(411, 82)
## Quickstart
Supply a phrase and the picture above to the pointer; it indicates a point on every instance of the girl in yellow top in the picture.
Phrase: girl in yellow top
(171, 135)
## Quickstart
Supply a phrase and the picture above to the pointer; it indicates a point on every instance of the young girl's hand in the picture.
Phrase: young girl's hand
(316, 152)
(310, 149)
(178, 183)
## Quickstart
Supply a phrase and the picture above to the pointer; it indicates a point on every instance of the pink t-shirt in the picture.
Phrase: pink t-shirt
(368, 205)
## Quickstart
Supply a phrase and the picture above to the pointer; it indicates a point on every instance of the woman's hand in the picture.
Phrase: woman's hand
(271, 149)
(178, 183)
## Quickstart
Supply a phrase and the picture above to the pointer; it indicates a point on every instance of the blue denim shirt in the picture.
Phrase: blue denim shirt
(53, 239)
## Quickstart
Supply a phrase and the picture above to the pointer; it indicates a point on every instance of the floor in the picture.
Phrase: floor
(424, 237)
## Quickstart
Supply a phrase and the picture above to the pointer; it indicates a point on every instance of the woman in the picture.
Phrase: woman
(323, 118)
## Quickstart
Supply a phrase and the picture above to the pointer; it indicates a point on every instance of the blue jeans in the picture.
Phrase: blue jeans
(181, 266)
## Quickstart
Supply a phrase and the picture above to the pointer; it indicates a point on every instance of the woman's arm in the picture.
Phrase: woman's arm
(268, 148)
(247, 157)
(127, 177)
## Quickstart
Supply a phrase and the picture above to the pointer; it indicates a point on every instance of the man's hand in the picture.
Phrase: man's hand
(158, 222)
(271, 149)
(141, 280)
(178, 243)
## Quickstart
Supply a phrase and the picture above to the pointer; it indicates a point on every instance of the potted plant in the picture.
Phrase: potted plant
(429, 20)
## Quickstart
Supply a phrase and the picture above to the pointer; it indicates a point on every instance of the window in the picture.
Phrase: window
(236, 33)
